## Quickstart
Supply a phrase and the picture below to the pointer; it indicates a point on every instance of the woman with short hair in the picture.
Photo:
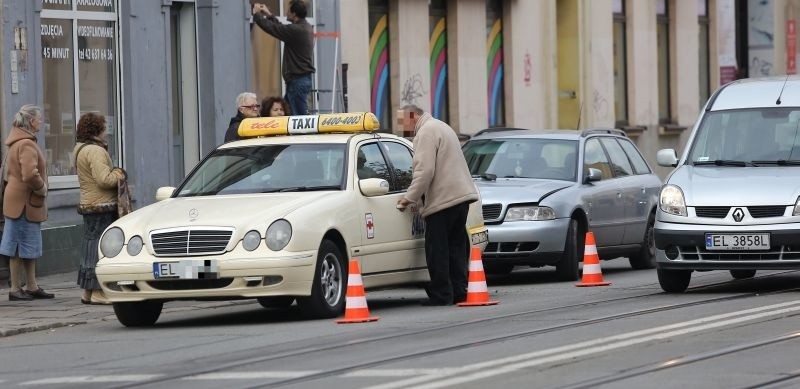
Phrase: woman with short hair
(24, 205)
(274, 106)
(98, 179)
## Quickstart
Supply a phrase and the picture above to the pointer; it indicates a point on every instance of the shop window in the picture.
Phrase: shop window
(662, 47)
(438, 50)
(703, 54)
(494, 63)
(80, 70)
(379, 61)
(620, 64)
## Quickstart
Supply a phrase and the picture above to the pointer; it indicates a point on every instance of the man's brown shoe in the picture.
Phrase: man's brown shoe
(19, 295)
(39, 294)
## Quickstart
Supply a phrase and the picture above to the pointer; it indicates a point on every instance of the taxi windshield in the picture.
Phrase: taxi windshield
(267, 168)
(748, 137)
(553, 159)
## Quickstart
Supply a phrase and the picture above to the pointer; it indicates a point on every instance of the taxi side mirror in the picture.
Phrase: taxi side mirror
(164, 192)
(373, 187)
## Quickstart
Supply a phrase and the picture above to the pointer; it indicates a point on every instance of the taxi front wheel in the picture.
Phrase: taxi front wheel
(138, 314)
(328, 288)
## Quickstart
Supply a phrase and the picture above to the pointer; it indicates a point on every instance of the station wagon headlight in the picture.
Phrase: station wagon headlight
(135, 245)
(251, 240)
(112, 241)
(278, 235)
(529, 213)
(672, 201)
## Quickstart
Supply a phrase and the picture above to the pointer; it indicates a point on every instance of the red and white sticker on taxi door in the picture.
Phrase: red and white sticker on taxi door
(370, 226)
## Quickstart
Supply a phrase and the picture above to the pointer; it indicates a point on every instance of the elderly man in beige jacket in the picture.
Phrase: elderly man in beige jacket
(443, 189)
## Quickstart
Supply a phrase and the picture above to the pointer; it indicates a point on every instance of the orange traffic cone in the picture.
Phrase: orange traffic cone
(477, 292)
(355, 310)
(592, 275)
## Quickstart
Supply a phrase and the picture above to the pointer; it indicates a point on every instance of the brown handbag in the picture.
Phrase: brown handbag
(124, 201)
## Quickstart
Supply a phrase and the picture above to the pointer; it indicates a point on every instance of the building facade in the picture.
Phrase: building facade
(166, 72)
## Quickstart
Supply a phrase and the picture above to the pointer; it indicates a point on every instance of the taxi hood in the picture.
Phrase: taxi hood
(239, 211)
(505, 190)
(725, 185)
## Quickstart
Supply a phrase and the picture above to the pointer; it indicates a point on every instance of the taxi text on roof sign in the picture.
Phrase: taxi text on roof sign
(309, 124)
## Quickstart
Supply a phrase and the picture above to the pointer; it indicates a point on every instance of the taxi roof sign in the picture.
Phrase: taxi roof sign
(309, 124)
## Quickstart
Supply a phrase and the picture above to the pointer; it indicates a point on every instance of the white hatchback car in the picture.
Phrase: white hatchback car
(274, 218)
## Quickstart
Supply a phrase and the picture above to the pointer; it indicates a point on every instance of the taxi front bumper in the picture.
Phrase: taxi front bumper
(127, 280)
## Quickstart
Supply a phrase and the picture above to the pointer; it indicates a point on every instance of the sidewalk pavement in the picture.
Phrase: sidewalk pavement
(66, 309)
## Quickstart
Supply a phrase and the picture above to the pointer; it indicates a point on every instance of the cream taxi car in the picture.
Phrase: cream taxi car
(276, 217)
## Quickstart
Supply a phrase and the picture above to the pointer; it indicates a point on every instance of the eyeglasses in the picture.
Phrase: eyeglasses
(254, 106)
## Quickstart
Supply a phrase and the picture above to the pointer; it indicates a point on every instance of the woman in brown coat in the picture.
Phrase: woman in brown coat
(24, 206)
(98, 179)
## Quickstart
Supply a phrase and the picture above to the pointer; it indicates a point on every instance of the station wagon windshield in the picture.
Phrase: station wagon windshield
(554, 159)
(748, 137)
(268, 168)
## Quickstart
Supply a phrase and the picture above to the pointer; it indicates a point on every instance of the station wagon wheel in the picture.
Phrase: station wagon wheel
(567, 267)
(674, 281)
(645, 258)
(741, 274)
(138, 314)
(328, 286)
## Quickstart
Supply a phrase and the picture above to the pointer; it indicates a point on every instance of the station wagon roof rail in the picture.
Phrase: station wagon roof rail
(498, 129)
(614, 131)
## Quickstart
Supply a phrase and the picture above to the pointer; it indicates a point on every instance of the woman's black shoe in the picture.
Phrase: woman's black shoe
(39, 294)
(19, 295)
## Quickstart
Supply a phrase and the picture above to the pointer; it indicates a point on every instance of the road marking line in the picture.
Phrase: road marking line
(251, 375)
(508, 364)
(396, 372)
(90, 379)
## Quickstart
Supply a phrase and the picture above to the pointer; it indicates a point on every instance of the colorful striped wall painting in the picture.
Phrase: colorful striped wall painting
(494, 64)
(379, 70)
(438, 48)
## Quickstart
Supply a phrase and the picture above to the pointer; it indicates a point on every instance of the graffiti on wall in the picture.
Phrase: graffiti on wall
(412, 90)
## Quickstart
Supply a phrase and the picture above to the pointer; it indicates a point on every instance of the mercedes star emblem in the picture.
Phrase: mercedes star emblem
(193, 214)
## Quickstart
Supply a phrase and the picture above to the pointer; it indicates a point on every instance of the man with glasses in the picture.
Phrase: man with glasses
(248, 107)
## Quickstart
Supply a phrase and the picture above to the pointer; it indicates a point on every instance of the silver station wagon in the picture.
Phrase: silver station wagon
(543, 190)
(732, 203)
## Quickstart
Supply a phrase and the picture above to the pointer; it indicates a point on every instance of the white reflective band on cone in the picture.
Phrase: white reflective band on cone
(354, 280)
(356, 302)
(475, 265)
(477, 287)
(591, 269)
(590, 250)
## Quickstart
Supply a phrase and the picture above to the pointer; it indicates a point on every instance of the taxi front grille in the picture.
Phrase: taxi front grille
(190, 241)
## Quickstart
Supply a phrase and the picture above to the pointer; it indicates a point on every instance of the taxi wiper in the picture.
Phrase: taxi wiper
(308, 188)
(723, 162)
(779, 162)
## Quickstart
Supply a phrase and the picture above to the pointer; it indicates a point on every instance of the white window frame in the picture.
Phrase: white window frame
(73, 15)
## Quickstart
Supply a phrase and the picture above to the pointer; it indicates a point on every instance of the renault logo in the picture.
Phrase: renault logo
(738, 214)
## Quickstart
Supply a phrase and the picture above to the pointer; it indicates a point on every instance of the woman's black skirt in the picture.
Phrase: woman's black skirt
(94, 224)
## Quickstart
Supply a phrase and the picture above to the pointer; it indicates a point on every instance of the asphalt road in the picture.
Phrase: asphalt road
(721, 333)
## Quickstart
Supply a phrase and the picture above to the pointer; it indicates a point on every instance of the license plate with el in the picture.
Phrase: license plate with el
(758, 241)
(185, 270)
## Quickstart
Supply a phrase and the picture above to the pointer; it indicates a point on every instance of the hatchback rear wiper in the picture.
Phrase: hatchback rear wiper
(779, 162)
(723, 162)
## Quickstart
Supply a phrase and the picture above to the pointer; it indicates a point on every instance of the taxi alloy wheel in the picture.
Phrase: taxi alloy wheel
(138, 314)
(329, 284)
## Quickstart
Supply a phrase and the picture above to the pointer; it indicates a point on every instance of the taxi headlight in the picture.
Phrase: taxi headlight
(278, 235)
(672, 201)
(528, 213)
(251, 240)
(135, 245)
(112, 241)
